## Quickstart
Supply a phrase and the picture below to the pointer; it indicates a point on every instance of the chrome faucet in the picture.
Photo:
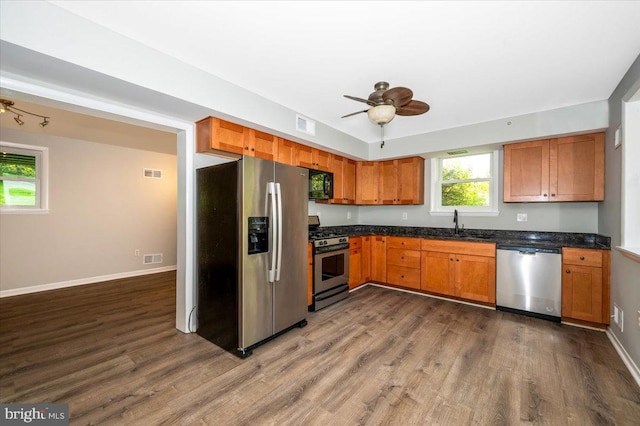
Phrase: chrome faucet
(456, 230)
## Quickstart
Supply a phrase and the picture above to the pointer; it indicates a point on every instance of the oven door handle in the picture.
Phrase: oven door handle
(271, 189)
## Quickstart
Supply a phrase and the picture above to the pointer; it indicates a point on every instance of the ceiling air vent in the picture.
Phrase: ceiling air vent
(152, 173)
(461, 151)
(152, 258)
(303, 124)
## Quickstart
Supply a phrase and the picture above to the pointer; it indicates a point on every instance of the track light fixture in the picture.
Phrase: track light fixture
(7, 105)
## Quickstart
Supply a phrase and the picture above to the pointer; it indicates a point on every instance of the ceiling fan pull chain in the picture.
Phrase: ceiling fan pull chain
(382, 135)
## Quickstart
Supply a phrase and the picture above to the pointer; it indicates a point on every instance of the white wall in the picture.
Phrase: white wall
(101, 210)
(625, 284)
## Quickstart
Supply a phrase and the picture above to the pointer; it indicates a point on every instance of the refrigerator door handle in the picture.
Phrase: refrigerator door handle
(271, 190)
(280, 225)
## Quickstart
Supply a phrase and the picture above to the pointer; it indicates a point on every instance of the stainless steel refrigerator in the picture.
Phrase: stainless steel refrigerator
(252, 252)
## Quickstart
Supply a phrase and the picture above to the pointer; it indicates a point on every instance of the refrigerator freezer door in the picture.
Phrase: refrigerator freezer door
(290, 292)
(256, 292)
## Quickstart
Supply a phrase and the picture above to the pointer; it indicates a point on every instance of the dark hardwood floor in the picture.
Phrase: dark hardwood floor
(111, 352)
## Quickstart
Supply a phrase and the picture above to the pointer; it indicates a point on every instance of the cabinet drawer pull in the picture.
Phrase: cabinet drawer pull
(568, 271)
(401, 276)
(457, 260)
(553, 195)
(581, 257)
(402, 257)
(544, 195)
(451, 259)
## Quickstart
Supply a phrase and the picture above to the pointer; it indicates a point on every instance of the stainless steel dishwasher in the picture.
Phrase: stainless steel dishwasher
(529, 281)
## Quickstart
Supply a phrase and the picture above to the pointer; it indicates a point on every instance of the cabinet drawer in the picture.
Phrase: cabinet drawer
(583, 257)
(404, 258)
(355, 242)
(405, 277)
(461, 247)
(404, 243)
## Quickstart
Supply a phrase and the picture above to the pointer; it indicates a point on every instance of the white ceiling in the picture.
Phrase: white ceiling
(471, 61)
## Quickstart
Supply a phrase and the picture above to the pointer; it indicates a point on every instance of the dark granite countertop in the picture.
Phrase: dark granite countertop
(502, 237)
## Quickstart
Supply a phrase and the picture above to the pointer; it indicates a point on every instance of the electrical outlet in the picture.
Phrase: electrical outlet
(521, 217)
(136, 252)
(348, 215)
(404, 215)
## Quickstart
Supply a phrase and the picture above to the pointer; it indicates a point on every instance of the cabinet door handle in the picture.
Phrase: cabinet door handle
(246, 147)
(544, 195)
(402, 257)
(553, 195)
(451, 259)
(568, 271)
(581, 257)
(457, 260)
(401, 276)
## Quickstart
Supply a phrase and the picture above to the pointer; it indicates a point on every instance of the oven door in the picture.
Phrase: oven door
(330, 270)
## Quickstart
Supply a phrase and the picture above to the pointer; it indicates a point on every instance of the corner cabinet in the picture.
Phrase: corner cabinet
(390, 182)
(559, 169)
(461, 269)
(585, 285)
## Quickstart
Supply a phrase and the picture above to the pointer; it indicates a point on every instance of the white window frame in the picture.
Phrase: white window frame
(630, 194)
(42, 177)
(437, 209)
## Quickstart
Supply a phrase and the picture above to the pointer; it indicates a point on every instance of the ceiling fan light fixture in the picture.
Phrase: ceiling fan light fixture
(381, 114)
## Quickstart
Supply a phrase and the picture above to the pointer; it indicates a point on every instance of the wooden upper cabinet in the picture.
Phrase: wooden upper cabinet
(215, 134)
(388, 182)
(367, 178)
(312, 158)
(344, 180)
(263, 145)
(410, 180)
(577, 168)
(399, 182)
(526, 171)
(287, 152)
(559, 169)
(349, 180)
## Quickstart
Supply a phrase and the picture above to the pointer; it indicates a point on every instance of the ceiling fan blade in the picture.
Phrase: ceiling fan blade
(353, 98)
(400, 96)
(354, 113)
(413, 108)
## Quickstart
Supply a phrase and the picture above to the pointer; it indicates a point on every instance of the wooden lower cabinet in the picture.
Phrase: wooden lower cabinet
(460, 269)
(379, 259)
(366, 259)
(403, 262)
(355, 262)
(437, 272)
(585, 285)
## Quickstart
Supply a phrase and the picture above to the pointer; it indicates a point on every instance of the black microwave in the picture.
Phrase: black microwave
(320, 185)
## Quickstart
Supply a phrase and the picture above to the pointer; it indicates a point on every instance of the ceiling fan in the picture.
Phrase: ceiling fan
(386, 103)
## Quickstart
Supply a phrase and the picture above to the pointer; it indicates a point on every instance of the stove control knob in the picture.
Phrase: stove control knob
(343, 240)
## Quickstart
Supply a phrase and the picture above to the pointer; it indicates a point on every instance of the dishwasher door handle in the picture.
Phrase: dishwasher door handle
(528, 253)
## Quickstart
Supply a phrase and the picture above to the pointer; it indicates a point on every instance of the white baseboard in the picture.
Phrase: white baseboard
(83, 281)
(633, 368)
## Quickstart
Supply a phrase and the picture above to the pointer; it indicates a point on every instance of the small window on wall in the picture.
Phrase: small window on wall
(467, 183)
(23, 178)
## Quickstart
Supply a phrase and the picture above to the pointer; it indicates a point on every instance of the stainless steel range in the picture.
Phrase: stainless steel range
(330, 266)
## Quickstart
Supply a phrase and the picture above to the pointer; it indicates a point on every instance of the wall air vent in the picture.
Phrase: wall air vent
(152, 173)
(152, 258)
(460, 151)
(305, 125)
